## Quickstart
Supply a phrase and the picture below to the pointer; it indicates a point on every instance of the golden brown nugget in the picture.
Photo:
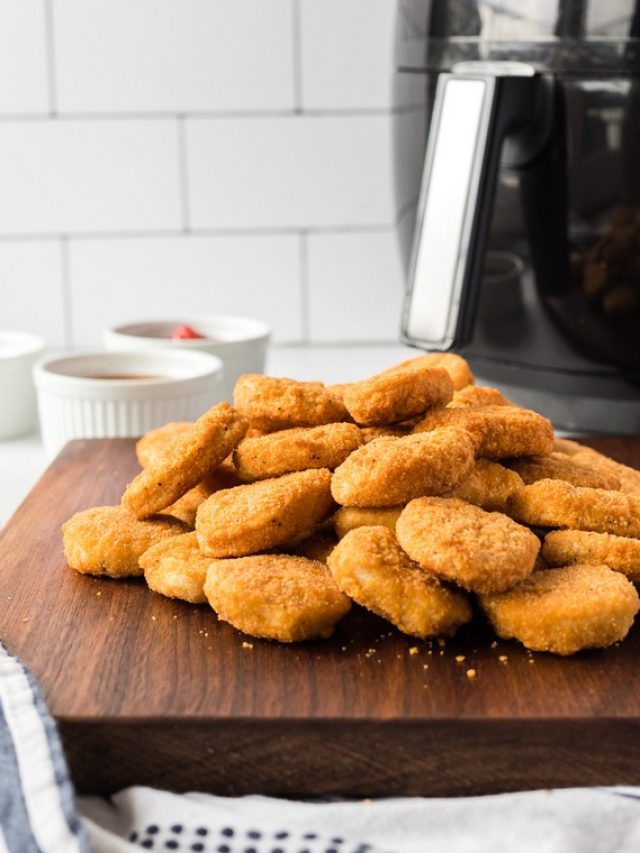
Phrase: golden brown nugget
(186, 462)
(490, 485)
(559, 466)
(155, 443)
(499, 431)
(295, 449)
(479, 551)
(370, 433)
(629, 477)
(186, 507)
(262, 515)
(272, 404)
(108, 540)
(392, 471)
(555, 503)
(276, 596)
(479, 395)
(397, 395)
(372, 569)
(318, 546)
(567, 547)
(177, 568)
(456, 366)
(350, 517)
(565, 610)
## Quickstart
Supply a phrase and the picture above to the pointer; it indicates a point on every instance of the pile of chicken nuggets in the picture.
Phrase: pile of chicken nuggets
(415, 494)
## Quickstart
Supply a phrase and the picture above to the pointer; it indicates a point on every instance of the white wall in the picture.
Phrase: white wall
(204, 155)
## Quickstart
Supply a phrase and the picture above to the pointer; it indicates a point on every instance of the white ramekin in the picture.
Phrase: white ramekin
(241, 342)
(72, 403)
(18, 352)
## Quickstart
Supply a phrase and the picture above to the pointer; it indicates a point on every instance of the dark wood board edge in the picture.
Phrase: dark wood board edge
(352, 759)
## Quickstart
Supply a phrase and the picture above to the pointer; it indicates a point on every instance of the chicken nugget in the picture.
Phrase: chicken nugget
(500, 431)
(456, 366)
(478, 395)
(629, 477)
(392, 471)
(565, 610)
(186, 461)
(555, 503)
(108, 540)
(185, 508)
(273, 404)
(154, 444)
(350, 517)
(262, 515)
(397, 395)
(567, 547)
(372, 569)
(295, 449)
(370, 433)
(559, 466)
(479, 551)
(177, 568)
(276, 596)
(489, 485)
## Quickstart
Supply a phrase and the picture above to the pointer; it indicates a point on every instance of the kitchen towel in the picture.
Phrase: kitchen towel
(38, 813)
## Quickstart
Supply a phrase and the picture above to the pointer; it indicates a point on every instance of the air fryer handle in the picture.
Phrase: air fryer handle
(475, 106)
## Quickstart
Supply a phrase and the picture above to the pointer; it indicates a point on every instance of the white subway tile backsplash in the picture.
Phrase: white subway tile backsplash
(356, 286)
(79, 176)
(118, 280)
(31, 289)
(174, 55)
(290, 172)
(347, 53)
(23, 57)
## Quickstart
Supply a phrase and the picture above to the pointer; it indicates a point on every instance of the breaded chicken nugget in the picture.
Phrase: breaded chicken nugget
(186, 462)
(500, 431)
(479, 395)
(370, 433)
(295, 449)
(262, 515)
(185, 508)
(480, 551)
(554, 503)
(154, 444)
(372, 569)
(392, 471)
(273, 404)
(456, 366)
(567, 547)
(397, 395)
(108, 540)
(350, 517)
(565, 610)
(490, 485)
(559, 466)
(177, 568)
(276, 596)
(318, 546)
(629, 477)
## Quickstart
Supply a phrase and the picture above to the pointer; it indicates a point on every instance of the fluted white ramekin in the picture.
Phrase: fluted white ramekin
(18, 352)
(72, 403)
(241, 342)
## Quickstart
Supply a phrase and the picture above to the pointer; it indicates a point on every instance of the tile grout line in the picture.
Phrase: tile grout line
(202, 115)
(297, 57)
(65, 268)
(303, 255)
(183, 167)
(51, 59)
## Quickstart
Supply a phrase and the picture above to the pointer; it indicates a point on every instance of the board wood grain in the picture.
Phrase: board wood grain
(152, 691)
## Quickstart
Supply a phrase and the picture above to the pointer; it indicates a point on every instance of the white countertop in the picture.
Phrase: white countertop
(22, 459)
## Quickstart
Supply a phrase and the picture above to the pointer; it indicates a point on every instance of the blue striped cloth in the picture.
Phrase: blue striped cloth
(38, 812)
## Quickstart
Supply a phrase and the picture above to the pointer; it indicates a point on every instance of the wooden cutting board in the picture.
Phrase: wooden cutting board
(151, 691)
